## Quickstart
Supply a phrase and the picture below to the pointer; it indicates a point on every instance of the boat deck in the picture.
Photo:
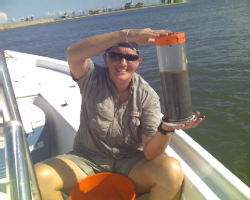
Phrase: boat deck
(47, 84)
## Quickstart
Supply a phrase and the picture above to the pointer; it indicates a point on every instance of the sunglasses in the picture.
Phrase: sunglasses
(118, 56)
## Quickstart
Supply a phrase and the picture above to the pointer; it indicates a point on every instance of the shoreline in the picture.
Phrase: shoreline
(26, 23)
(45, 21)
(115, 11)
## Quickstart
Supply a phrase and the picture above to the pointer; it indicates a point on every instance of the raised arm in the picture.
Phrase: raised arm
(78, 53)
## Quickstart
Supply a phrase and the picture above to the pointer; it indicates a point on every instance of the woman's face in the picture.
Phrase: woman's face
(121, 70)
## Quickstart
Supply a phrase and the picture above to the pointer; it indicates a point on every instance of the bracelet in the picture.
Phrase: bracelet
(127, 35)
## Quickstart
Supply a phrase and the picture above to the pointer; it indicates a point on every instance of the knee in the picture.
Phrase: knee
(171, 171)
(176, 172)
(43, 174)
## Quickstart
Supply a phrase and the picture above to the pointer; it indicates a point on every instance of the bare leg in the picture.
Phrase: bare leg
(161, 176)
(55, 175)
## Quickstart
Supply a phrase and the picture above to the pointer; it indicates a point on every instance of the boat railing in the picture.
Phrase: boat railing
(20, 174)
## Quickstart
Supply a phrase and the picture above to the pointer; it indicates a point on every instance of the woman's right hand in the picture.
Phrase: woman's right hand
(146, 35)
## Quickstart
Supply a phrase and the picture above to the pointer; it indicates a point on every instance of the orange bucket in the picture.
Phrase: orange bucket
(104, 186)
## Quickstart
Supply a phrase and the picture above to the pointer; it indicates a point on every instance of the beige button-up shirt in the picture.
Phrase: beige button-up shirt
(107, 129)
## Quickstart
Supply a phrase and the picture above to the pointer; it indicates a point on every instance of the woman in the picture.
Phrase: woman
(120, 128)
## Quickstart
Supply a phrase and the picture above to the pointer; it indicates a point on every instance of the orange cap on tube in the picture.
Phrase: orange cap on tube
(175, 38)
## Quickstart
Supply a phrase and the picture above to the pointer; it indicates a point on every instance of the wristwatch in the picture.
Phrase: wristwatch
(163, 132)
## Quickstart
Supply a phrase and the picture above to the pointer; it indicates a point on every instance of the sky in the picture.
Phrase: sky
(14, 10)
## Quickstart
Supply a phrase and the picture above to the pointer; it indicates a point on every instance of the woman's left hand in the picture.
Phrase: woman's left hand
(192, 124)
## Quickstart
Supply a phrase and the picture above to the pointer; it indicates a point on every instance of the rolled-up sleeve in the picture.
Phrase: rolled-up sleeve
(85, 81)
(150, 118)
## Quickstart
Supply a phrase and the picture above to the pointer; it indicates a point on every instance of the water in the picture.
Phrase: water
(218, 49)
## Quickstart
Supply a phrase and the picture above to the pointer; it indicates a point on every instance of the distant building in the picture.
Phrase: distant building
(139, 5)
(94, 11)
(65, 17)
(129, 5)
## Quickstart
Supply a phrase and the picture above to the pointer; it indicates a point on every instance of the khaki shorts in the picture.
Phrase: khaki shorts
(92, 165)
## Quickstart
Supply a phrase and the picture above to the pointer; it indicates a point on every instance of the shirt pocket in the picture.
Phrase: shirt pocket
(101, 119)
(132, 132)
